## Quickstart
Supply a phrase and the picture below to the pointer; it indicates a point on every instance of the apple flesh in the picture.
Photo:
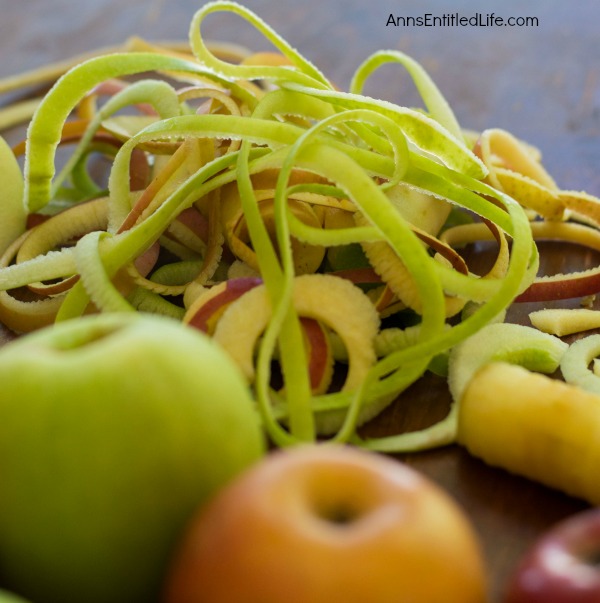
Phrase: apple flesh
(563, 566)
(113, 429)
(325, 523)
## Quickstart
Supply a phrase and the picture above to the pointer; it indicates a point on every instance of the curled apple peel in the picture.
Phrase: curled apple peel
(216, 172)
(208, 307)
(332, 301)
(576, 362)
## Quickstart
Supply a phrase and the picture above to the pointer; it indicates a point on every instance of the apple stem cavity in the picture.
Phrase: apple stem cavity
(339, 514)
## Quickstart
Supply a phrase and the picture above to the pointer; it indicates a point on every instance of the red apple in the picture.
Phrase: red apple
(562, 566)
(327, 523)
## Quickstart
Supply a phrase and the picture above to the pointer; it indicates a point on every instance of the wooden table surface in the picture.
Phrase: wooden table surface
(540, 82)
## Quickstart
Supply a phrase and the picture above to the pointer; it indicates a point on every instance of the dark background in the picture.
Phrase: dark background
(541, 83)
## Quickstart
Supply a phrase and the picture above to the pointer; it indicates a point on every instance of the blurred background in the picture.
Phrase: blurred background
(542, 81)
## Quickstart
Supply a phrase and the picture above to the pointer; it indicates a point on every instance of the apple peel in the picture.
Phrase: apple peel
(207, 309)
(506, 342)
(267, 167)
(23, 316)
(330, 300)
(62, 229)
(576, 361)
(498, 147)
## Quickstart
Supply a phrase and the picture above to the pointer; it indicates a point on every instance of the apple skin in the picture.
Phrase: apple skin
(6, 597)
(113, 429)
(320, 355)
(204, 313)
(562, 566)
(323, 523)
(569, 287)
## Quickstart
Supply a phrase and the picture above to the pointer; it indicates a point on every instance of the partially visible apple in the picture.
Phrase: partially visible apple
(324, 523)
(113, 429)
(6, 597)
(563, 566)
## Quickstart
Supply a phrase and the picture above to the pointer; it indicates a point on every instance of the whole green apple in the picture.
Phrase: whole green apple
(113, 430)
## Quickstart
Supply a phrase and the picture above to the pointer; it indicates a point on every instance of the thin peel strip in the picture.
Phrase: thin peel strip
(25, 316)
(59, 230)
(351, 316)
(576, 361)
(97, 284)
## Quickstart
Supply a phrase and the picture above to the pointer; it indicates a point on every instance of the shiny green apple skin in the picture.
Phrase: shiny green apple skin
(6, 597)
(113, 429)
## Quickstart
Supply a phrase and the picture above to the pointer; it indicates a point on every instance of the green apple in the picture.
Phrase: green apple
(6, 597)
(113, 430)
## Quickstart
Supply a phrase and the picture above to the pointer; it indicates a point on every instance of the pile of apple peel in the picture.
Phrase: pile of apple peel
(290, 220)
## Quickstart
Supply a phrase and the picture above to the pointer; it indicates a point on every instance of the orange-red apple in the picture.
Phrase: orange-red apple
(327, 523)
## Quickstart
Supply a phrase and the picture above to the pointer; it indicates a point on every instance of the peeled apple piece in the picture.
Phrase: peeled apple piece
(534, 426)
(113, 430)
